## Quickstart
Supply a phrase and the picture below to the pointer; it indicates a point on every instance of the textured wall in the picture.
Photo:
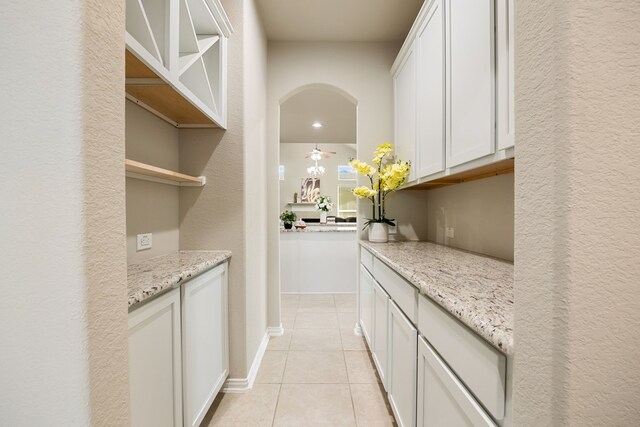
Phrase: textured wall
(63, 314)
(255, 132)
(151, 207)
(481, 213)
(577, 206)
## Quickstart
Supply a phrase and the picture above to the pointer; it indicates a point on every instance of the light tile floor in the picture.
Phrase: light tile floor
(317, 374)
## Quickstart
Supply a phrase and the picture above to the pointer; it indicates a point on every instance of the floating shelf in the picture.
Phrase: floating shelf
(302, 207)
(500, 168)
(147, 172)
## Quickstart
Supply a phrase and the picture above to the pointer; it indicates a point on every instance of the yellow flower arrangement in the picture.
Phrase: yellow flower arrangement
(391, 174)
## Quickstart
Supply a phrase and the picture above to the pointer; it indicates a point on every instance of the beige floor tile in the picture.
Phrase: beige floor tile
(314, 405)
(347, 320)
(316, 321)
(316, 304)
(360, 367)
(272, 367)
(371, 406)
(350, 341)
(345, 302)
(280, 343)
(289, 323)
(289, 301)
(288, 313)
(316, 339)
(315, 367)
(255, 408)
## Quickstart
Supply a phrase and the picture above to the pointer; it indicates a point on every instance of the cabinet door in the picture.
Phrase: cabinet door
(155, 370)
(404, 85)
(505, 74)
(401, 380)
(430, 41)
(366, 304)
(380, 331)
(471, 82)
(205, 341)
(442, 399)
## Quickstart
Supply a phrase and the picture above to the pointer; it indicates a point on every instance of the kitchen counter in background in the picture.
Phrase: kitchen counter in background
(475, 289)
(155, 276)
(317, 228)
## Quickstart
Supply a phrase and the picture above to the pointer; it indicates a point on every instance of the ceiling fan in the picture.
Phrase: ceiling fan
(317, 154)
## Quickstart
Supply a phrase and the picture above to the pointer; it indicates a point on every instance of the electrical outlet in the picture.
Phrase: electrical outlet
(450, 233)
(393, 229)
(145, 241)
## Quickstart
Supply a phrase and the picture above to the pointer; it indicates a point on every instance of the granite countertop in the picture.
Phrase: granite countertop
(331, 228)
(157, 275)
(477, 290)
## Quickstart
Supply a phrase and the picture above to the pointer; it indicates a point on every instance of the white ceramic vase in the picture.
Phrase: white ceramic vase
(378, 232)
(323, 217)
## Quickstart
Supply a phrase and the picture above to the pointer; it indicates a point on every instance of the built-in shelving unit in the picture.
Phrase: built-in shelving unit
(176, 60)
(147, 172)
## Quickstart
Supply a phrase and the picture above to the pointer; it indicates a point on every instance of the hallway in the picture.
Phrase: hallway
(317, 373)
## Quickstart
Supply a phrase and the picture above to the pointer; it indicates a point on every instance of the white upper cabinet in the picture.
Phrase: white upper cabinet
(505, 72)
(456, 113)
(430, 41)
(404, 83)
(177, 66)
(471, 88)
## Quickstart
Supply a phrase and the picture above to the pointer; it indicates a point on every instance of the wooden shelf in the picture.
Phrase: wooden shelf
(499, 168)
(148, 90)
(147, 172)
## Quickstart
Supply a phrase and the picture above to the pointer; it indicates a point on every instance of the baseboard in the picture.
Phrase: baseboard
(243, 385)
(275, 331)
(357, 330)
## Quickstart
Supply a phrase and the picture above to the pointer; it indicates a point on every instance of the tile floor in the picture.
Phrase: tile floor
(317, 374)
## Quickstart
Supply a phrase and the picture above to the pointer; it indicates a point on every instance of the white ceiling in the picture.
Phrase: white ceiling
(336, 113)
(338, 20)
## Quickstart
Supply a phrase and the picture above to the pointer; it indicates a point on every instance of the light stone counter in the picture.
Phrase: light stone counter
(333, 228)
(155, 276)
(475, 289)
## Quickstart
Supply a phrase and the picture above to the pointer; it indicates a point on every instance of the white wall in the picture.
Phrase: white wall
(63, 315)
(362, 71)
(480, 212)
(292, 157)
(151, 207)
(577, 207)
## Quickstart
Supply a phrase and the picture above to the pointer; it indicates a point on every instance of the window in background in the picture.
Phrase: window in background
(346, 172)
(346, 200)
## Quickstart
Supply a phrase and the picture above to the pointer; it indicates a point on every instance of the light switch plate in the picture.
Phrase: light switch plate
(145, 241)
(451, 233)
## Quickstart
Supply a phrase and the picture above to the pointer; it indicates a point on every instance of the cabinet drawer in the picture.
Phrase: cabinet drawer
(400, 291)
(366, 258)
(480, 366)
(442, 399)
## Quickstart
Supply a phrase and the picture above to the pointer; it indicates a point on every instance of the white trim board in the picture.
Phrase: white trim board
(275, 331)
(243, 385)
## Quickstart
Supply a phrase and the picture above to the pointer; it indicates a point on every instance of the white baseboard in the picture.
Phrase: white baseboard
(357, 330)
(275, 331)
(243, 385)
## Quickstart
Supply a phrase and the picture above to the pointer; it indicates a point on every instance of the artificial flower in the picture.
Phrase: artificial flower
(364, 192)
(362, 167)
(381, 151)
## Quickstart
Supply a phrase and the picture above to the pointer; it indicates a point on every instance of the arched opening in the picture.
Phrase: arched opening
(318, 116)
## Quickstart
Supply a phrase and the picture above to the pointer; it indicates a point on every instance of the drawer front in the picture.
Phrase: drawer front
(442, 399)
(480, 366)
(380, 331)
(366, 258)
(400, 291)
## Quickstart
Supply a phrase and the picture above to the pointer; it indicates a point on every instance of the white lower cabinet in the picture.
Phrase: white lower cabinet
(155, 368)
(179, 352)
(380, 349)
(401, 377)
(366, 304)
(204, 342)
(442, 399)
